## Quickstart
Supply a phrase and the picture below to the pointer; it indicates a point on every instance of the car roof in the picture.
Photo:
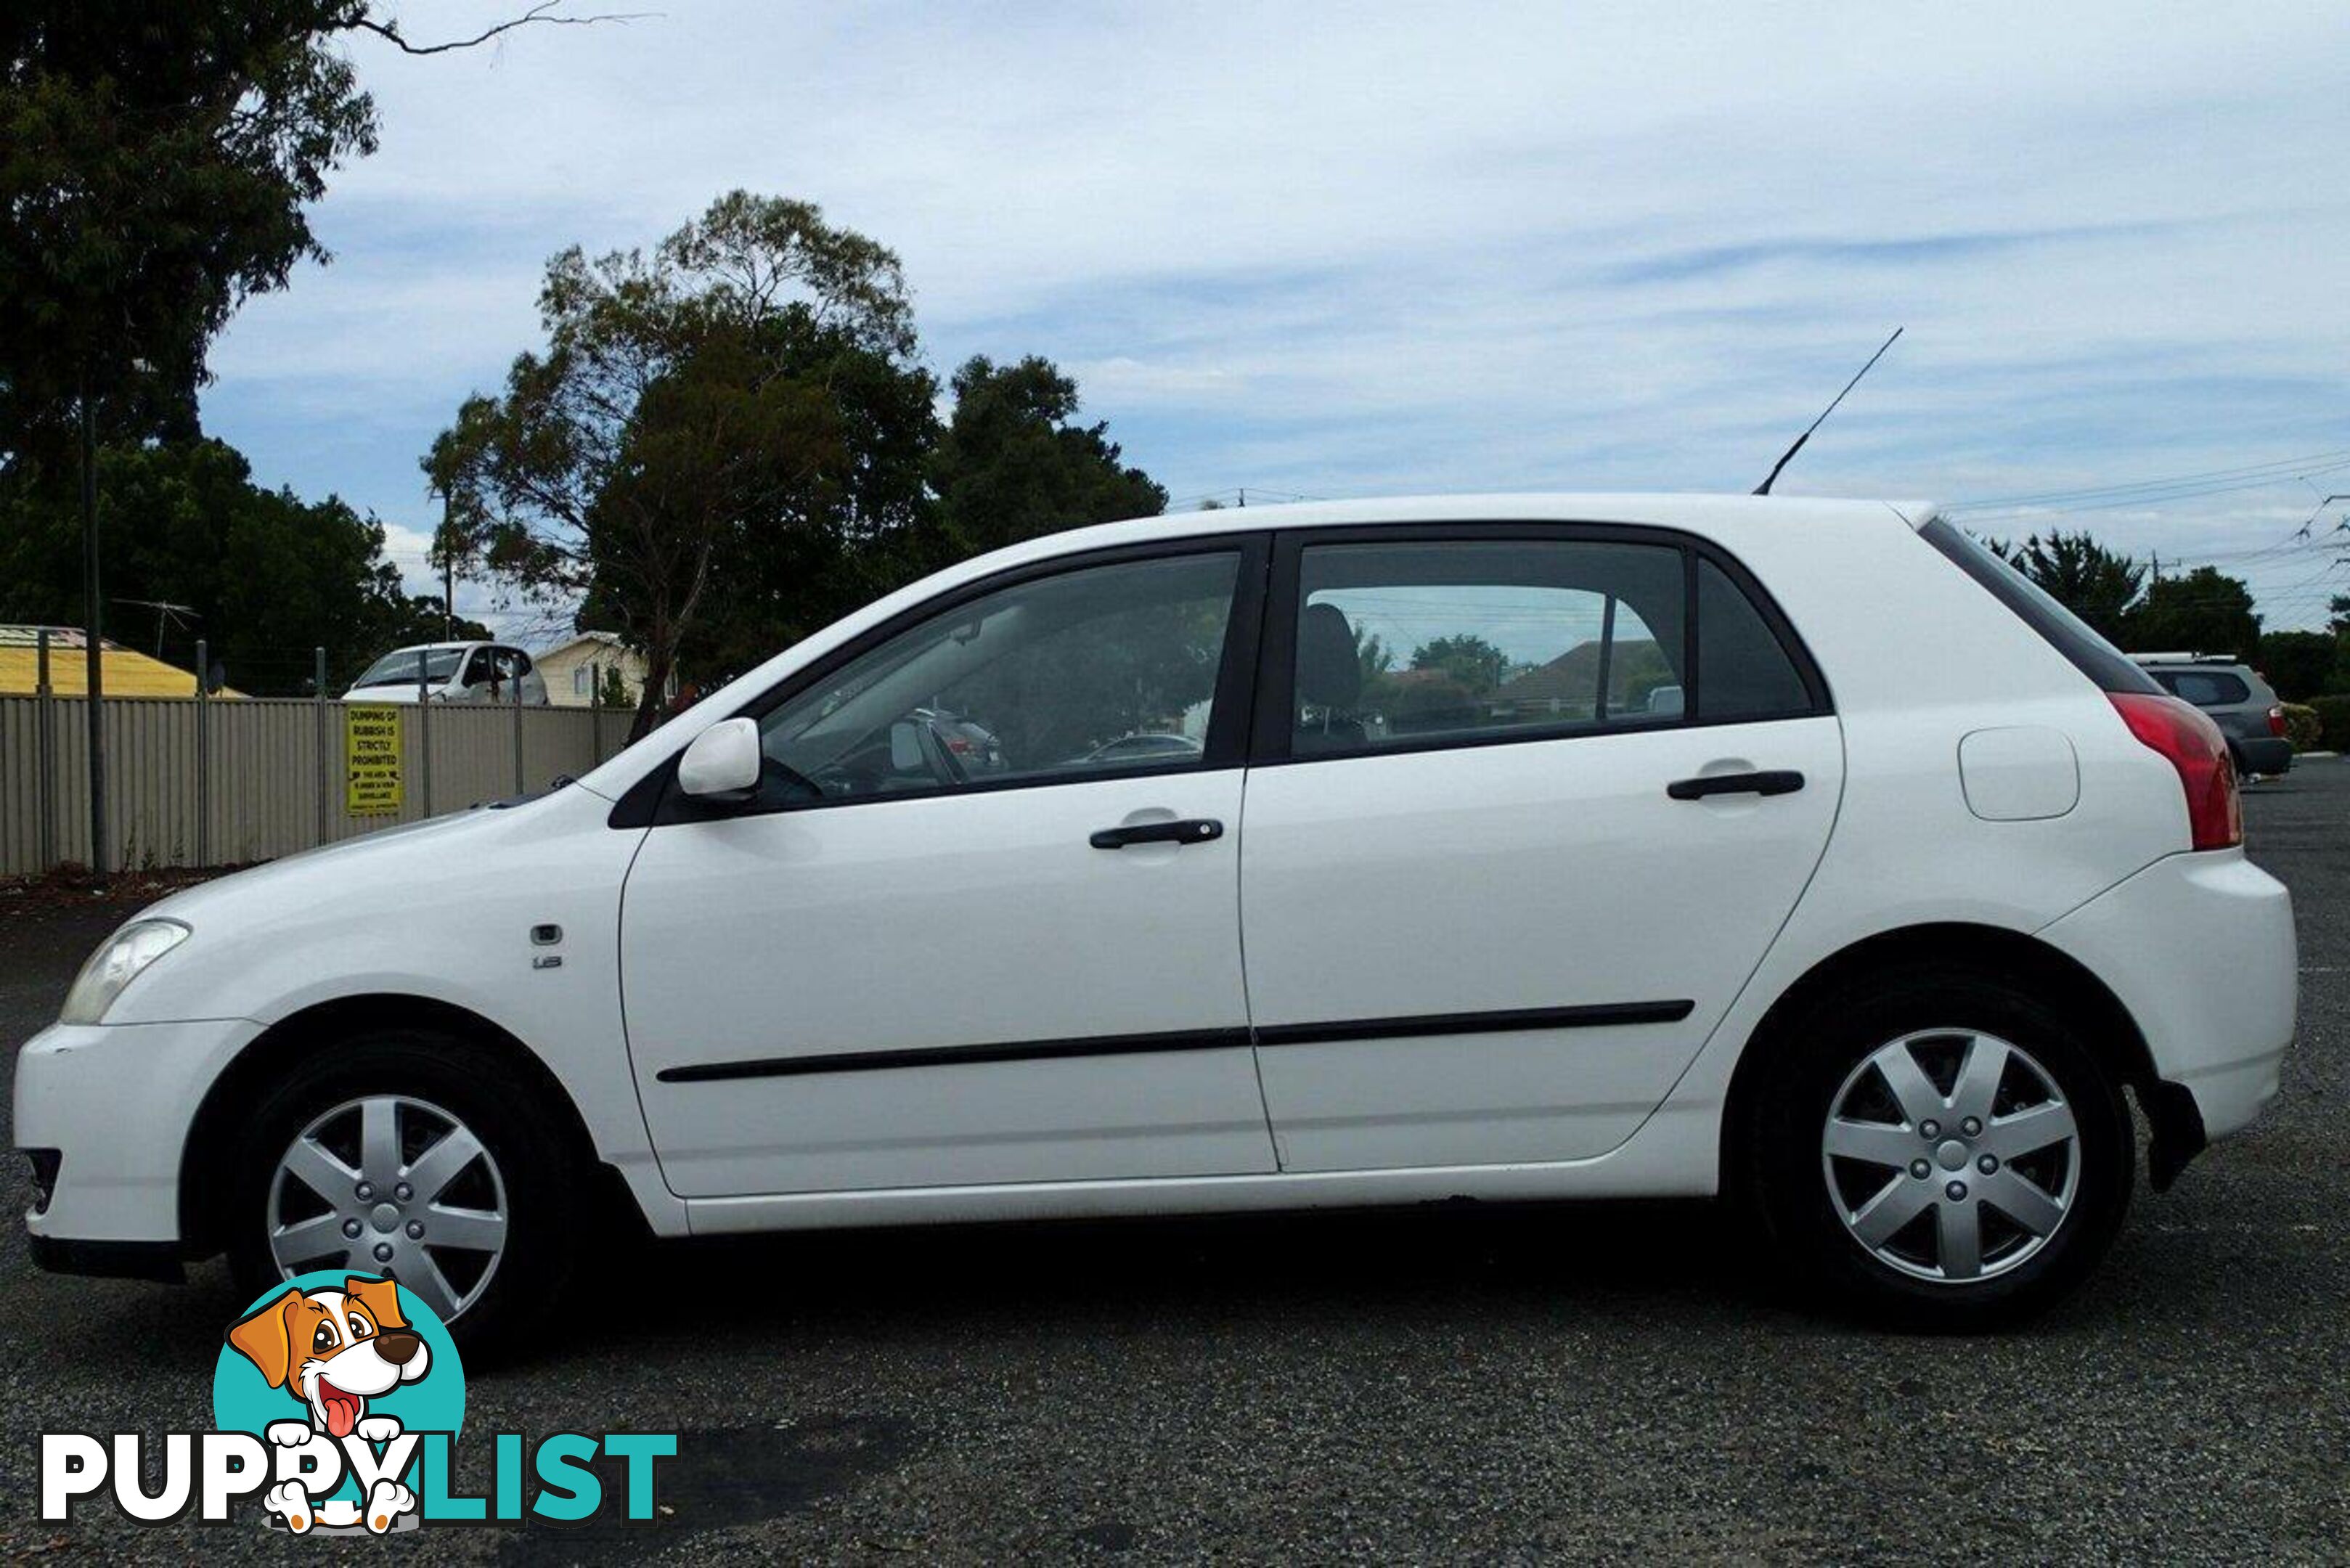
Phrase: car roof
(1667, 509)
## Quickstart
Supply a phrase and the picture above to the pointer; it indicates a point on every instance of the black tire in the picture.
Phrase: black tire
(1802, 1225)
(543, 1174)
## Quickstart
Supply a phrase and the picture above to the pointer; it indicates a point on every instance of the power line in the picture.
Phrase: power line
(2275, 471)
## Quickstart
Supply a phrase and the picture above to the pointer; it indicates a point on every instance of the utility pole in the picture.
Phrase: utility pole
(92, 636)
(448, 580)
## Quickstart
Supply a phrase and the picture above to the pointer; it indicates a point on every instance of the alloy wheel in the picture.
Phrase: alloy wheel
(1951, 1155)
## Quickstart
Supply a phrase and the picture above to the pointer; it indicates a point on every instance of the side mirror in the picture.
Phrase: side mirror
(722, 762)
(906, 748)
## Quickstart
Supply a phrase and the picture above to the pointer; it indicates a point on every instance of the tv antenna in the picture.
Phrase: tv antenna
(1788, 456)
(165, 615)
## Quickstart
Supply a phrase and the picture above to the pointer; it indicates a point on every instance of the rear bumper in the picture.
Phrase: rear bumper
(2200, 950)
(2262, 753)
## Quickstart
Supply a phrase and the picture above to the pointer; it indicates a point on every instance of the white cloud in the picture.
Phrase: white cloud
(1342, 250)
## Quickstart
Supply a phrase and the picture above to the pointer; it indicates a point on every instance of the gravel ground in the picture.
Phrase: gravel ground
(1591, 1382)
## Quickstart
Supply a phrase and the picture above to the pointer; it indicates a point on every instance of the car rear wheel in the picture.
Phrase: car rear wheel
(1941, 1151)
(410, 1153)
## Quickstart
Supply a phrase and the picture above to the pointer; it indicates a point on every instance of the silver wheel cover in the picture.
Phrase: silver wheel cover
(1950, 1156)
(392, 1184)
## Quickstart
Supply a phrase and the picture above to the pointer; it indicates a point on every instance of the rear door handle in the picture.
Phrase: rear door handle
(1189, 830)
(1775, 781)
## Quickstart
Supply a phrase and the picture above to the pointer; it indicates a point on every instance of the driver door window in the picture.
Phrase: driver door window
(1102, 672)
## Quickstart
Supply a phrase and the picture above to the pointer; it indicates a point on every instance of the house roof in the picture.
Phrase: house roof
(1573, 676)
(601, 639)
(126, 673)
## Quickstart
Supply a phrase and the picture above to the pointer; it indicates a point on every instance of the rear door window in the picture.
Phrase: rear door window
(1433, 643)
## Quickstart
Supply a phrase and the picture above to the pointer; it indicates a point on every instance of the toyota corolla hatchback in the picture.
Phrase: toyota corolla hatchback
(1519, 848)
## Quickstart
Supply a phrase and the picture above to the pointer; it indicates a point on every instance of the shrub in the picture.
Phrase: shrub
(2334, 722)
(2303, 726)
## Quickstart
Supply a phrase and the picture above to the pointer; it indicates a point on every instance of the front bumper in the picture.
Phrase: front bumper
(2200, 950)
(116, 1100)
(110, 1259)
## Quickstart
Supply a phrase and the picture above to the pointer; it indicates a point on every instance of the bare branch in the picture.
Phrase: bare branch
(544, 11)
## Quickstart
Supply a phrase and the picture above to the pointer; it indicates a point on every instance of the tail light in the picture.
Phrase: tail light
(2276, 720)
(2192, 744)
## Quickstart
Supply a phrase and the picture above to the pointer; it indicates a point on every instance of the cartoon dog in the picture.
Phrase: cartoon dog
(333, 1350)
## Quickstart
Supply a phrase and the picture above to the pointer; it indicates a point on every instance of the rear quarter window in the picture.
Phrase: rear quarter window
(2205, 688)
(2067, 633)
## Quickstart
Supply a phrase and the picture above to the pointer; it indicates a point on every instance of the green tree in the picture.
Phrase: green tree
(688, 404)
(1015, 464)
(2338, 623)
(268, 577)
(157, 166)
(2202, 611)
(2299, 664)
(2095, 583)
(857, 522)
(1467, 660)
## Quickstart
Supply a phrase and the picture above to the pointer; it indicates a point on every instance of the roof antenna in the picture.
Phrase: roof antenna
(1789, 455)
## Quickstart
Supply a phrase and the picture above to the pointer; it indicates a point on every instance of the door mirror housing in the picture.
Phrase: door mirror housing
(722, 764)
(906, 748)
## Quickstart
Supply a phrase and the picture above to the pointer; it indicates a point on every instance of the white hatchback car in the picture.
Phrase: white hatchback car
(1535, 847)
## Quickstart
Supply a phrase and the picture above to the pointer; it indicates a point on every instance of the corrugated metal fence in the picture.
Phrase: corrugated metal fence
(226, 782)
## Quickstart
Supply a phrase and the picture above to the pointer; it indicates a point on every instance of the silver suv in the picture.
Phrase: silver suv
(2239, 700)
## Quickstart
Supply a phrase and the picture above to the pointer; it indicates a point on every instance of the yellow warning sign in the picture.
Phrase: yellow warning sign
(371, 761)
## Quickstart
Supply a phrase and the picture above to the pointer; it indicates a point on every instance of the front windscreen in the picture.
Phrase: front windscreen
(401, 669)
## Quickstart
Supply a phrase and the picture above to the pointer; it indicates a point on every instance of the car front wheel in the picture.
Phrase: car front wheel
(414, 1155)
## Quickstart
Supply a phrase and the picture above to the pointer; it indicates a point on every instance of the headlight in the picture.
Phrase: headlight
(115, 965)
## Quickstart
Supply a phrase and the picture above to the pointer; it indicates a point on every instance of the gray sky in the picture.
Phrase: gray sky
(1348, 249)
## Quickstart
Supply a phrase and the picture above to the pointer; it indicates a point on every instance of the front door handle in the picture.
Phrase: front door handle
(1774, 780)
(1189, 830)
